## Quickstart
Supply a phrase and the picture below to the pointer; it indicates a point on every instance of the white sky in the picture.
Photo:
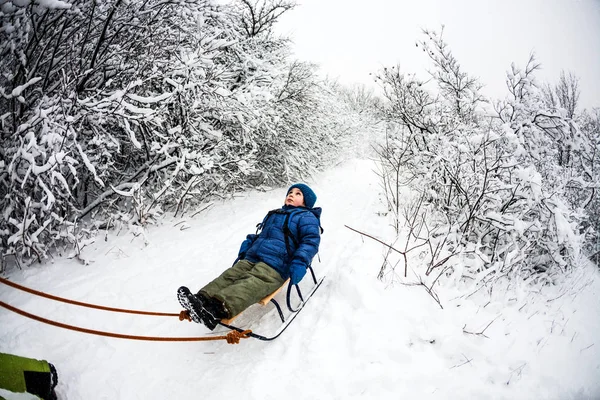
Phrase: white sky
(351, 38)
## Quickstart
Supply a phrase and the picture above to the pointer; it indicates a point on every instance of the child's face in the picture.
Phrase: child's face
(294, 198)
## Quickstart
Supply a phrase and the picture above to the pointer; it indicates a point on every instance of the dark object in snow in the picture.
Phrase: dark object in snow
(21, 374)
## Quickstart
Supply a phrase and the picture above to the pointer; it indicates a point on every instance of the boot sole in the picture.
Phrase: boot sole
(192, 304)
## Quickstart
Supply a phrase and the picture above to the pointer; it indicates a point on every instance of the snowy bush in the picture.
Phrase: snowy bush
(495, 193)
(589, 123)
(118, 110)
(82, 97)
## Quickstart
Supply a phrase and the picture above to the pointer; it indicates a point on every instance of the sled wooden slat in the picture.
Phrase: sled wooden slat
(267, 299)
(263, 302)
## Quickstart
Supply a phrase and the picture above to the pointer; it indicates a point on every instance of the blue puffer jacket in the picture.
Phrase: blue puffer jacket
(269, 246)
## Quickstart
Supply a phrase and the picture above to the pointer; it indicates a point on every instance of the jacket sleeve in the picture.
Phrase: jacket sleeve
(308, 245)
(246, 245)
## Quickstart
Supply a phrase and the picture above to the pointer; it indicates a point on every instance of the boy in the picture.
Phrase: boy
(288, 240)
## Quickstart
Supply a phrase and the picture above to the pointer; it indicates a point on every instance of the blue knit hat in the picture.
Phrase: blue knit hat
(309, 196)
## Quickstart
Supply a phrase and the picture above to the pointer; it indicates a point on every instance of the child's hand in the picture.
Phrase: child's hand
(297, 273)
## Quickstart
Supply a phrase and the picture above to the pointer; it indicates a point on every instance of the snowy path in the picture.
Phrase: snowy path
(353, 340)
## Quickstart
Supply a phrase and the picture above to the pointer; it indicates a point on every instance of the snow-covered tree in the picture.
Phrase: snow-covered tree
(589, 123)
(492, 190)
(119, 111)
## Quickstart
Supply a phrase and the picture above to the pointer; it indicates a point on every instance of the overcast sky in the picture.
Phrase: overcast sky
(351, 38)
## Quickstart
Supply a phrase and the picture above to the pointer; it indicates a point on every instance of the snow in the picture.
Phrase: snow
(357, 337)
(149, 100)
(16, 92)
(89, 165)
(53, 4)
(8, 395)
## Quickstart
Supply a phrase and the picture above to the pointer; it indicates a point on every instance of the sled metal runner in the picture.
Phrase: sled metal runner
(294, 310)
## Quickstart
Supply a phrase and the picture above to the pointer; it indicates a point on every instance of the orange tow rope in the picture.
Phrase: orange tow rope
(232, 337)
(79, 303)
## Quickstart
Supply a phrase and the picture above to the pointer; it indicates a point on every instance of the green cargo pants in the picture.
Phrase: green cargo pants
(242, 285)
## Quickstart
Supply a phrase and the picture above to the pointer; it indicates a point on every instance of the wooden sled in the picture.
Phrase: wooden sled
(271, 299)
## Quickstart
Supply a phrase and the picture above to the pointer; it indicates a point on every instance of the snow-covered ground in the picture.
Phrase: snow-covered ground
(356, 338)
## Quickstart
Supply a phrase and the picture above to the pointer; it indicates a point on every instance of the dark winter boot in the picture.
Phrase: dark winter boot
(193, 304)
(216, 308)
